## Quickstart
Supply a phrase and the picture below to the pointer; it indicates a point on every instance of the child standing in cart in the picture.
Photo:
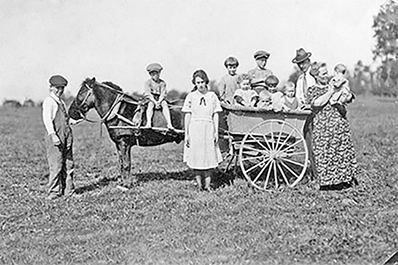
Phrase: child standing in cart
(201, 150)
(228, 83)
(155, 92)
(289, 101)
(245, 96)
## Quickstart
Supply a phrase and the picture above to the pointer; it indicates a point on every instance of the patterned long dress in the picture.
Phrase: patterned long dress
(334, 153)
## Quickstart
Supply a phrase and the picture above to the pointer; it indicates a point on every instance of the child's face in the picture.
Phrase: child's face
(200, 84)
(245, 85)
(232, 69)
(58, 91)
(272, 89)
(290, 92)
(261, 62)
(155, 75)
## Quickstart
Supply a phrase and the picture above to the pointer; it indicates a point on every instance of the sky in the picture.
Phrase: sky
(114, 40)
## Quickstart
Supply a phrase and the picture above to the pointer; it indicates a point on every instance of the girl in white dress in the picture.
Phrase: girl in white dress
(201, 151)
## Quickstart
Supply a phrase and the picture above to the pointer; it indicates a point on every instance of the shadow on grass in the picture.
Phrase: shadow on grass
(219, 179)
(96, 184)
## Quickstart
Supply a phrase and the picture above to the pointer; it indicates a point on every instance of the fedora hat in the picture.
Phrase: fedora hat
(301, 55)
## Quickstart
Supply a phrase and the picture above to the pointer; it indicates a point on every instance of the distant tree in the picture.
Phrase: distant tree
(385, 26)
(28, 103)
(173, 94)
(11, 103)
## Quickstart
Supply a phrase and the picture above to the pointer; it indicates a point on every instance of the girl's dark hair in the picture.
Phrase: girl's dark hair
(202, 74)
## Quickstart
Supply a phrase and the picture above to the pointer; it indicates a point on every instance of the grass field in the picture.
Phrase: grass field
(165, 220)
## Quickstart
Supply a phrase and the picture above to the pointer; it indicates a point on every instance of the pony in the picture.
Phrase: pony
(122, 115)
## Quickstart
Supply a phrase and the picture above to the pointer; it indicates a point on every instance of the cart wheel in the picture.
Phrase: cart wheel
(273, 153)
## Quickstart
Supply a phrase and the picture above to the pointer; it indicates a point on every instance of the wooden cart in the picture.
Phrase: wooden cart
(268, 146)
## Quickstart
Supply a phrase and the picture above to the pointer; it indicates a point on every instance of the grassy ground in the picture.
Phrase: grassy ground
(165, 220)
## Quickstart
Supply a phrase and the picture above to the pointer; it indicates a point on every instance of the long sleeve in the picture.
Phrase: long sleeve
(49, 110)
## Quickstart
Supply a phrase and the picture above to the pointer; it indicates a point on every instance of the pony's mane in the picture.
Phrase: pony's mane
(112, 85)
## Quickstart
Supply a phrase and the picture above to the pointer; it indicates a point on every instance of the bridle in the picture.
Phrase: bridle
(107, 116)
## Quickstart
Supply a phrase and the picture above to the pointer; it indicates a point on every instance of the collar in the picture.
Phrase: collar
(55, 97)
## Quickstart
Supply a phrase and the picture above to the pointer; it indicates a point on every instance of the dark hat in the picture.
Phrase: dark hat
(154, 67)
(58, 80)
(301, 55)
(261, 54)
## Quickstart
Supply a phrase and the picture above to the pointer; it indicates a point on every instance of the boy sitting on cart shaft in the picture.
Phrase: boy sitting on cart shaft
(155, 92)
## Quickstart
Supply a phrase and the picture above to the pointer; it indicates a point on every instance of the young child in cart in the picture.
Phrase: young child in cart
(228, 83)
(155, 92)
(245, 96)
(270, 97)
(289, 101)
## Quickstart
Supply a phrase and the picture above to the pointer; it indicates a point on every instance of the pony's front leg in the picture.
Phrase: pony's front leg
(124, 151)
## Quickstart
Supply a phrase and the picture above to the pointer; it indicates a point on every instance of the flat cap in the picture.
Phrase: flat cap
(58, 80)
(154, 67)
(261, 54)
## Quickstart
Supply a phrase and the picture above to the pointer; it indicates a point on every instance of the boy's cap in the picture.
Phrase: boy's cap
(154, 67)
(261, 54)
(58, 80)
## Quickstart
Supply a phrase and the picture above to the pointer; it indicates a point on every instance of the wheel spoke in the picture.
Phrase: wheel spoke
(268, 174)
(284, 142)
(256, 165)
(283, 174)
(292, 161)
(275, 176)
(292, 145)
(250, 148)
(252, 157)
(280, 133)
(288, 168)
(272, 137)
(255, 139)
(266, 141)
(293, 154)
(262, 171)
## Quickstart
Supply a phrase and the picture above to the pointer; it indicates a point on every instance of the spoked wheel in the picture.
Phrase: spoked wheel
(273, 153)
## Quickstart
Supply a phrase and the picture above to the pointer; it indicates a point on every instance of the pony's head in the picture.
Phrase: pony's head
(84, 100)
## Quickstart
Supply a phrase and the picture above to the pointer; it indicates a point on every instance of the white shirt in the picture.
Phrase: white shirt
(247, 96)
(50, 108)
(299, 85)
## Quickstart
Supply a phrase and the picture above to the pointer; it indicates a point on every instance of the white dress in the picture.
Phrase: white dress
(203, 153)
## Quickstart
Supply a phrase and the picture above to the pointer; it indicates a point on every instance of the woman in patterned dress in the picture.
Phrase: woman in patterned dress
(334, 154)
(201, 150)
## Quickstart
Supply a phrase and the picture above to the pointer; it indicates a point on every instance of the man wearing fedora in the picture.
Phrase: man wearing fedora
(305, 80)
(260, 73)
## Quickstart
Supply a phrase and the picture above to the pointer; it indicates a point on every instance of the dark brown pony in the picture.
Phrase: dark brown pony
(121, 114)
